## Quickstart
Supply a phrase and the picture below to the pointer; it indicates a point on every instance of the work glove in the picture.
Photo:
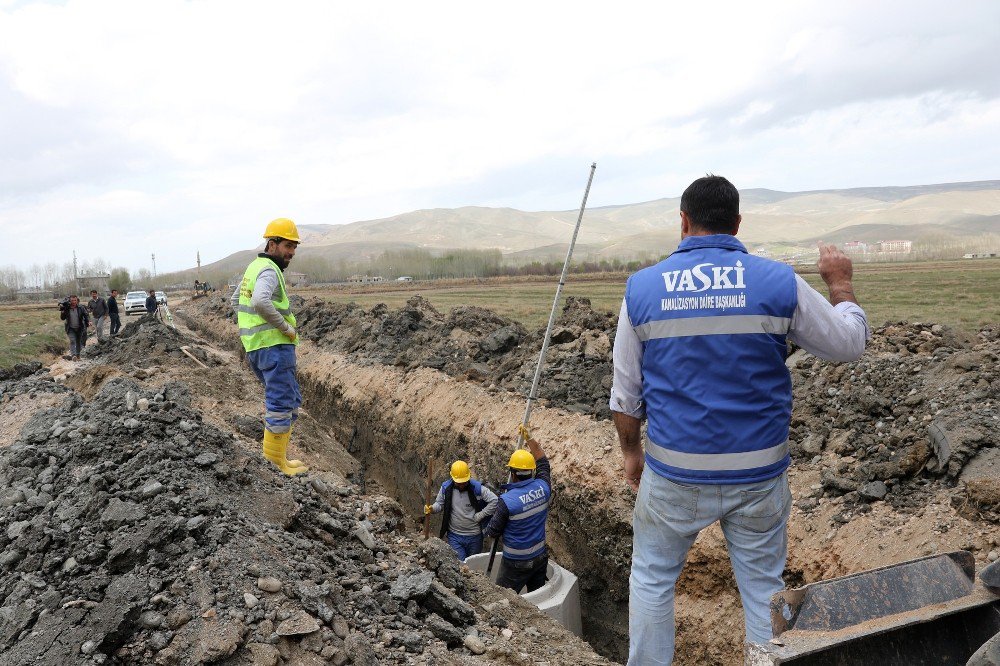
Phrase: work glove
(427, 509)
(524, 431)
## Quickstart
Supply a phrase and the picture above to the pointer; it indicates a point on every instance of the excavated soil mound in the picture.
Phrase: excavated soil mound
(470, 342)
(135, 533)
(145, 342)
(912, 413)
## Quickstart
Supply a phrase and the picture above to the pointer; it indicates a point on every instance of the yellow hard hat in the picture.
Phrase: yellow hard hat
(521, 459)
(460, 471)
(282, 228)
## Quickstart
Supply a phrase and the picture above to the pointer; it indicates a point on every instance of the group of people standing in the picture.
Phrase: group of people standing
(706, 374)
(79, 319)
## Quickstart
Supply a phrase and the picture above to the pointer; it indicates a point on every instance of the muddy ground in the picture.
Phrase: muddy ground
(894, 457)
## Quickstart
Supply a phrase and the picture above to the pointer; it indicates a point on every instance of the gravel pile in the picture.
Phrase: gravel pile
(470, 342)
(134, 532)
(146, 342)
(915, 410)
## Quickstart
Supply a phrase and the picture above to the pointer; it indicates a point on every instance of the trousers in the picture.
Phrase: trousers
(99, 326)
(516, 574)
(465, 544)
(668, 517)
(77, 340)
(275, 368)
(116, 323)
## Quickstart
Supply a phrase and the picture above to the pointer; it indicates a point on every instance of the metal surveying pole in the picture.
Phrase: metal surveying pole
(533, 393)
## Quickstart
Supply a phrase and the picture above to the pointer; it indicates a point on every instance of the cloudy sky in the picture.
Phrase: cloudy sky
(170, 126)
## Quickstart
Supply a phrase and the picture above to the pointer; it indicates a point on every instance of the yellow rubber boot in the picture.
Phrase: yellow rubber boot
(275, 447)
(294, 462)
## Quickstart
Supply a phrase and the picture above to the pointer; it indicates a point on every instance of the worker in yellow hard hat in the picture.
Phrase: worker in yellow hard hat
(267, 331)
(520, 518)
(466, 503)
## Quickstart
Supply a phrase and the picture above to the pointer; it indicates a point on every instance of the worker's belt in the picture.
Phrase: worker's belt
(717, 462)
(526, 564)
(716, 325)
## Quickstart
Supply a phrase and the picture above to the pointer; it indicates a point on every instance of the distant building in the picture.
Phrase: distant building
(35, 295)
(980, 255)
(762, 252)
(404, 278)
(365, 279)
(895, 246)
(855, 247)
(296, 279)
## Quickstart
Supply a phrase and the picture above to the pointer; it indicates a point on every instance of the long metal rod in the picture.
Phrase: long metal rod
(533, 394)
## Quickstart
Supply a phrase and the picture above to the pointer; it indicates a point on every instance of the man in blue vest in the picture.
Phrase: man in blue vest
(267, 331)
(465, 503)
(700, 353)
(520, 518)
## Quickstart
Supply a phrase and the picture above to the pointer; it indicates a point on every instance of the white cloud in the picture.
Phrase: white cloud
(218, 115)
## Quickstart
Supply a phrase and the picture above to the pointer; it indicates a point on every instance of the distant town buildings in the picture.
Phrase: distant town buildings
(979, 255)
(365, 279)
(884, 247)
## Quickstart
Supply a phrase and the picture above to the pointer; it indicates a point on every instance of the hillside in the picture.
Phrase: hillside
(922, 213)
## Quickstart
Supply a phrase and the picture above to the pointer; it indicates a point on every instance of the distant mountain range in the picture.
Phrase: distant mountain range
(921, 213)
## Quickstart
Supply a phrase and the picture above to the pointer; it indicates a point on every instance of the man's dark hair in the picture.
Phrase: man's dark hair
(114, 291)
(93, 291)
(712, 204)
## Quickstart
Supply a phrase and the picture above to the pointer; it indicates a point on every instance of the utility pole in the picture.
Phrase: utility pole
(76, 273)
(199, 265)
(154, 264)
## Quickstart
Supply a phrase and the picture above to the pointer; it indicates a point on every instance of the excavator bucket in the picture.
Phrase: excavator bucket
(931, 610)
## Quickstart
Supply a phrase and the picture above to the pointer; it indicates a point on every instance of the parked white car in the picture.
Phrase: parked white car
(161, 298)
(135, 303)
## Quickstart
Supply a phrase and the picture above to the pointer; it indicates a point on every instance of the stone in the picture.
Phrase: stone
(152, 489)
(360, 650)
(89, 647)
(262, 654)
(874, 490)
(474, 644)
(412, 586)
(269, 584)
(118, 513)
(250, 600)
(364, 536)
(990, 575)
(300, 623)
(215, 641)
(142, 404)
(507, 634)
(178, 617)
(340, 627)
(152, 620)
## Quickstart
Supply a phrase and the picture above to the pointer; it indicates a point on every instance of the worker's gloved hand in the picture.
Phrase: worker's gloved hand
(524, 431)
(427, 509)
(290, 334)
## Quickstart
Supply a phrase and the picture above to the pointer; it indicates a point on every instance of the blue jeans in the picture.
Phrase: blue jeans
(668, 517)
(465, 544)
(275, 368)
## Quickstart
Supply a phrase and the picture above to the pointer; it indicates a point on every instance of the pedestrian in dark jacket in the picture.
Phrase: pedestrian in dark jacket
(77, 321)
(99, 309)
(151, 304)
(116, 322)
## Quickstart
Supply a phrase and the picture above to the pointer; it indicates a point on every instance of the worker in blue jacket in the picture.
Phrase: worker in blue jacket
(700, 354)
(520, 518)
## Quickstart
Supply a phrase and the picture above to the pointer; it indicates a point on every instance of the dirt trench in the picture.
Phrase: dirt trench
(862, 454)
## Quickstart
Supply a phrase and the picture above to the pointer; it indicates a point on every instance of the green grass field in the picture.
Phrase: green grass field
(962, 294)
(28, 333)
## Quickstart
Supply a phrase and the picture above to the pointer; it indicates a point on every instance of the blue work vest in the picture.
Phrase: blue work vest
(713, 321)
(477, 488)
(528, 505)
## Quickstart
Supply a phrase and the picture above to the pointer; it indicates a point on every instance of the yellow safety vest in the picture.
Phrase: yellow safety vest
(255, 331)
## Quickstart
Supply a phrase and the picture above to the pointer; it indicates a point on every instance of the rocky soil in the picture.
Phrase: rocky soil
(134, 529)
(894, 456)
